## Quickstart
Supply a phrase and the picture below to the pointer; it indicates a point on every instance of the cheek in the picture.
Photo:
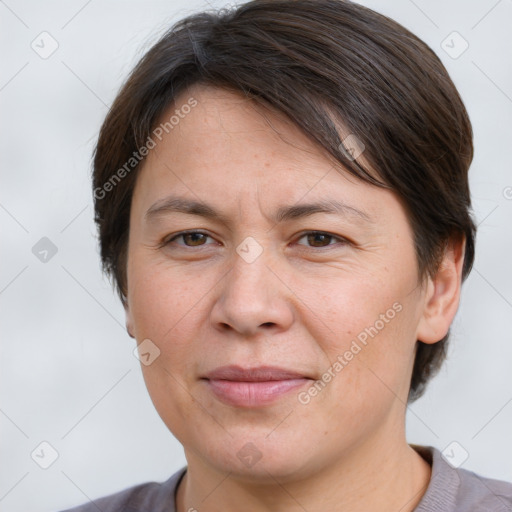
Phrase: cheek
(365, 323)
(165, 308)
(163, 300)
(377, 360)
(339, 308)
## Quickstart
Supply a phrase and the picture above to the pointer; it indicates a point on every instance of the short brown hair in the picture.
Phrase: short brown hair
(309, 59)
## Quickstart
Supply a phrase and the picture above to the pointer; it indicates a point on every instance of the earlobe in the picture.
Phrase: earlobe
(129, 322)
(442, 295)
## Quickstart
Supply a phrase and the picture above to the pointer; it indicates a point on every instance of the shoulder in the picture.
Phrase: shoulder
(453, 489)
(483, 494)
(146, 497)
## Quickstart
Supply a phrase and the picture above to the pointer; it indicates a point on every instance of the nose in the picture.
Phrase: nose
(253, 297)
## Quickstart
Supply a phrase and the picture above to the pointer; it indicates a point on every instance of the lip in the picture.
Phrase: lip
(253, 387)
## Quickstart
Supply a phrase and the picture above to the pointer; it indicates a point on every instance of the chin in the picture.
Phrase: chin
(258, 458)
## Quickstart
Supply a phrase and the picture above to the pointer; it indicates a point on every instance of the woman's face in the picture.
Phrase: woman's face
(272, 349)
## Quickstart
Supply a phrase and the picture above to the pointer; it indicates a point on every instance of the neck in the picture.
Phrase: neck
(378, 476)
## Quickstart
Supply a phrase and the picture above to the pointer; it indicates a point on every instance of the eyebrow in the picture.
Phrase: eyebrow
(174, 204)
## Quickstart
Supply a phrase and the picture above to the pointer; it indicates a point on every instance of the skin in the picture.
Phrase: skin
(298, 305)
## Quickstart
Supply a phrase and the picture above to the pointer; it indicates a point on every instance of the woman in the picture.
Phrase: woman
(282, 198)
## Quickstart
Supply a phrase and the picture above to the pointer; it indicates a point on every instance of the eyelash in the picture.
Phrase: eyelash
(342, 240)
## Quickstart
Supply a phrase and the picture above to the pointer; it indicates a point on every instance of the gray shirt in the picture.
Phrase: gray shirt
(449, 490)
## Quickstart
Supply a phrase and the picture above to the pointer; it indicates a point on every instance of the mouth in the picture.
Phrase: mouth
(253, 387)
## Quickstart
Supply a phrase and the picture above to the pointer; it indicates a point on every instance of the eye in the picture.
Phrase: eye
(316, 239)
(321, 239)
(191, 238)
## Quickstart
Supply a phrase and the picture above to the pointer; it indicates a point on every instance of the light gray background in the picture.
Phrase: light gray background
(68, 375)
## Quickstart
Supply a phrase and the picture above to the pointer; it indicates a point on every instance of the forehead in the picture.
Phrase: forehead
(228, 146)
(224, 125)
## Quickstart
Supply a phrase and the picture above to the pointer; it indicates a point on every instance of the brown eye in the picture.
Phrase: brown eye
(319, 239)
(194, 238)
(190, 239)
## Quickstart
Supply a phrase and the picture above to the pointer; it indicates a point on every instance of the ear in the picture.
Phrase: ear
(129, 320)
(442, 294)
